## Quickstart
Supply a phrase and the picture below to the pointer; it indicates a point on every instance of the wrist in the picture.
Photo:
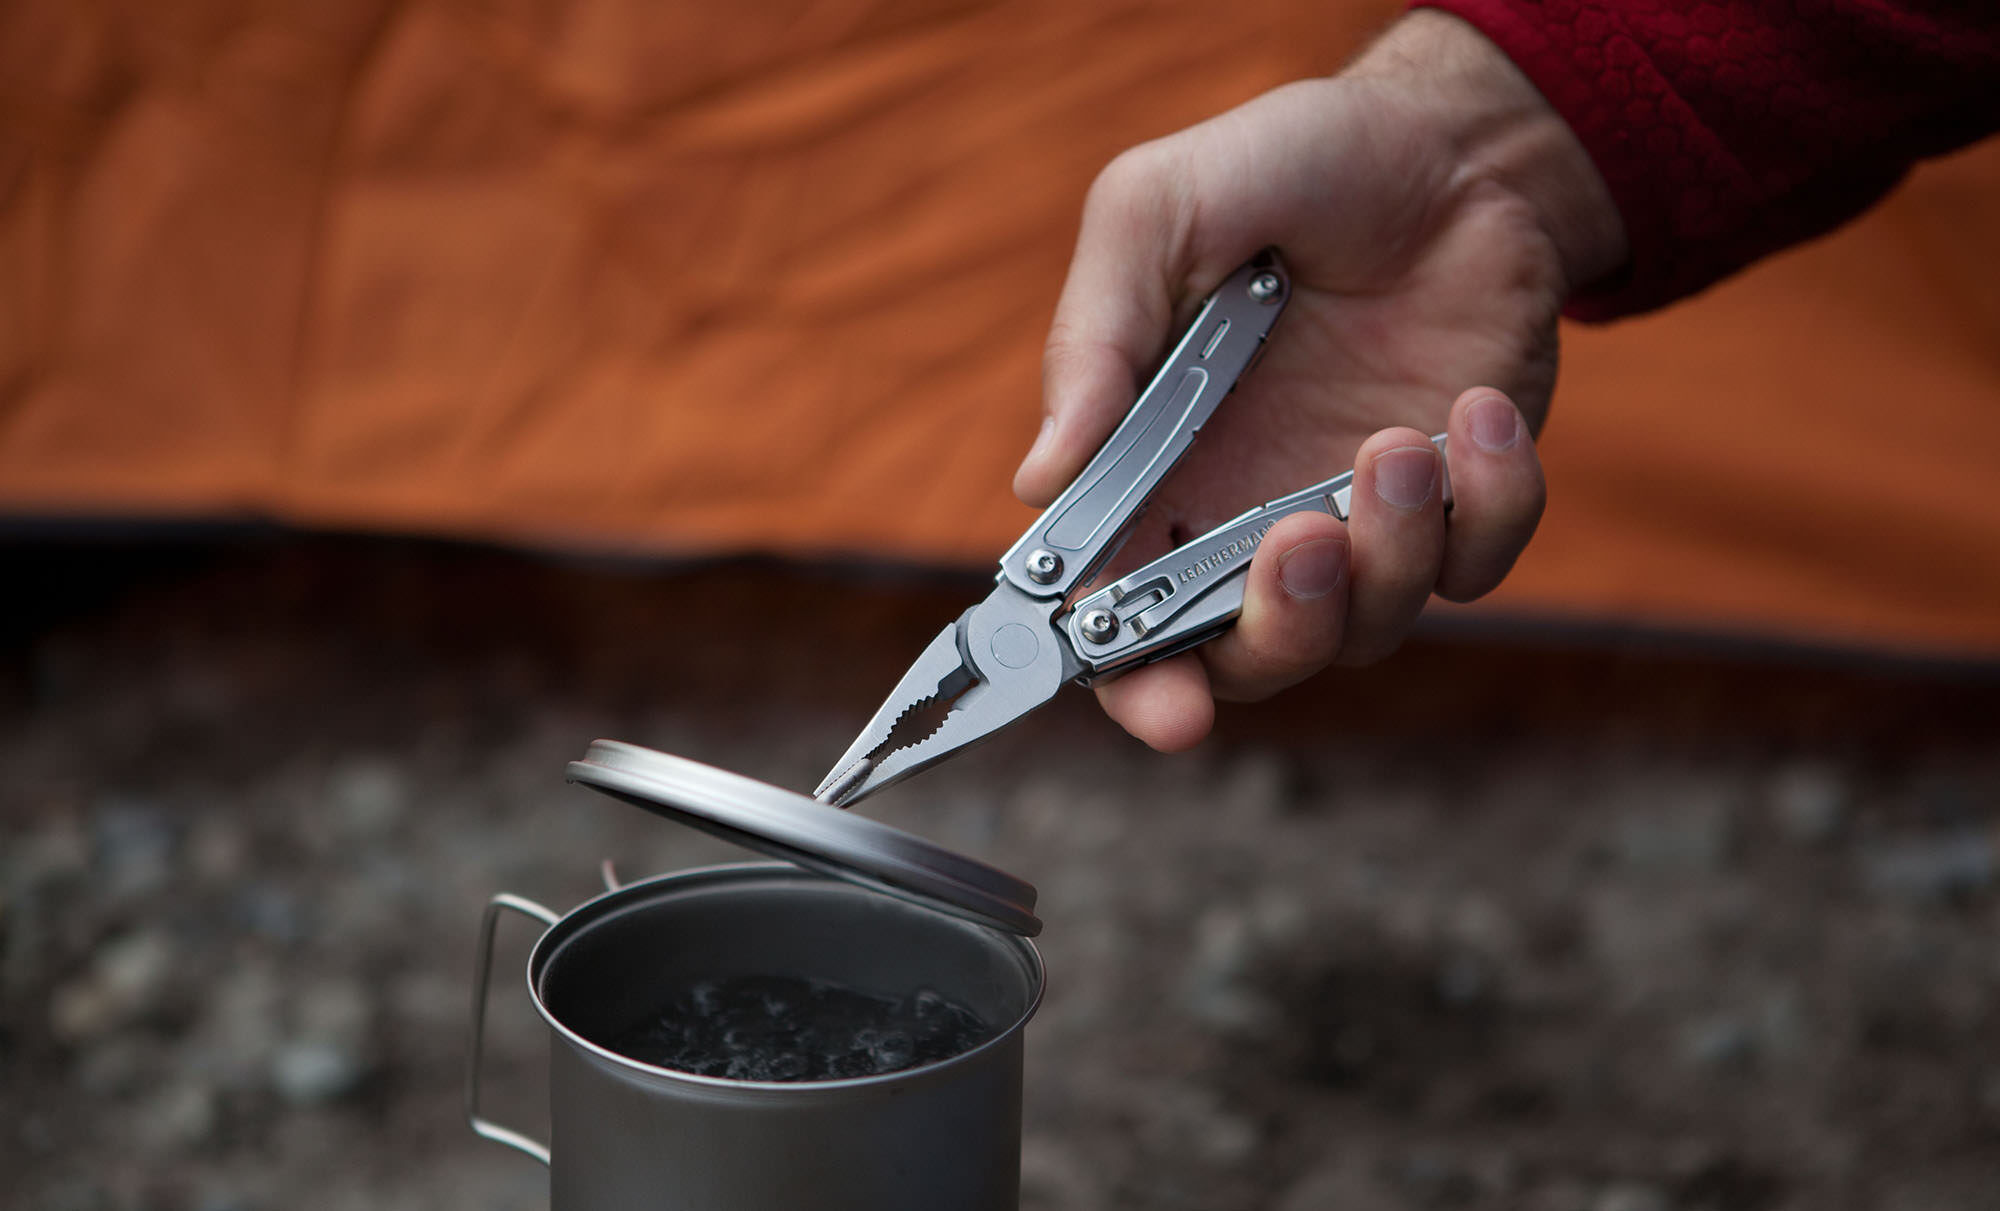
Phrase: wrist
(1501, 133)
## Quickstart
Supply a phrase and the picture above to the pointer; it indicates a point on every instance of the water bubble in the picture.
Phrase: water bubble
(891, 1050)
(777, 1028)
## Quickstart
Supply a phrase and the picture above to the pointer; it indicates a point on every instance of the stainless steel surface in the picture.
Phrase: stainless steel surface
(1010, 653)
(1098, 626)
(1193, 592)
(482, 972)
(1090, 518)
(837, 785)
(625, 1134)
(1007, 655)
(1000, 660)
(788, 825)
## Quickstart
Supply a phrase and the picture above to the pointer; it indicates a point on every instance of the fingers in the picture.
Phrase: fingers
(1168, 705)
(1396, 524)
(1319, 592)
(1498, 494)
(1115, 310)
(1294, 610)
(1294, 605)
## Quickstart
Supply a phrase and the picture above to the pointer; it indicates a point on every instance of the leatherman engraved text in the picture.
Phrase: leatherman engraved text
(1222, 555)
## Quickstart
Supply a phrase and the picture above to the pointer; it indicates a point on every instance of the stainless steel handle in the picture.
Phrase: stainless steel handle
(1193, 592)
(482, 972)
(1075, 535)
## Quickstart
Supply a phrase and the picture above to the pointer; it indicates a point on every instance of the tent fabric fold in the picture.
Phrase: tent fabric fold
(691, 279)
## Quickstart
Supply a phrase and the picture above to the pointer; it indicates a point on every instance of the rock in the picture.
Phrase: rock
(1723, 1042)
(1191, 1122)
(328, 1052)
(312, 1072)
(37, 872)
(123, 981)
(1558, 1194)
(135, 966)
(1781, 1029)
(1340, 1186)
(1256, 787)
(1932, 868)
(77, 1194)
(1228, 1140)
(223, 1200)
(271, 910)
(1691, 834)
(424, 1001)
(1736, 1039)
(1631, 1196)
(218, 849)
(178, 1116)
(367, 795)
(1216, 987)
(1437, 1178)
(117, 1065)
(133, 845)
(1987, 1094)
(337, 1011)
(1809, 802)
(1054, 810)
(233, 1041)
(1464, 979)
(1480, 924)
(54, 853)
(35, 1133)
(1056, 1177)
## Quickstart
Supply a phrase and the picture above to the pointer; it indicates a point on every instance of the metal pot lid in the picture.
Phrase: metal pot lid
(803, 830)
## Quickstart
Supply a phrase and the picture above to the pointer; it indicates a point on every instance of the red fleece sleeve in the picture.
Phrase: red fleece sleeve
(1728, 129)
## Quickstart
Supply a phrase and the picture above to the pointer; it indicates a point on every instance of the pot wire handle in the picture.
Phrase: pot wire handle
(482, 973)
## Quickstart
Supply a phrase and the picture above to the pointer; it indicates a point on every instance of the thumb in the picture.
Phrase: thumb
(1112, 319)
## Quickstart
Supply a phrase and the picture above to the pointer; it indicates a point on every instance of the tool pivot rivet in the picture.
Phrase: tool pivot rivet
(1099, 626)
(1044, 565)
(1265, 287)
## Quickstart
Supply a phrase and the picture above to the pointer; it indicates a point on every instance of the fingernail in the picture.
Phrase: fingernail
(1313, 569)
(1406, 476)
(1494, 423)
(1042, 438)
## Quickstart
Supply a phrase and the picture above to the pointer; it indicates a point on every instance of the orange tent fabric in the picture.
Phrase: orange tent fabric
(774, 276)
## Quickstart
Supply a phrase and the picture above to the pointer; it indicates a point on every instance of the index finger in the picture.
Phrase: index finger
(1110, 321)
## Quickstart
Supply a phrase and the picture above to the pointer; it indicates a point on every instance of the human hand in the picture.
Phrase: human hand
(1433, 214)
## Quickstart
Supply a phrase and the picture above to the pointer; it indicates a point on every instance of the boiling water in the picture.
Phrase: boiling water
(781, 1028)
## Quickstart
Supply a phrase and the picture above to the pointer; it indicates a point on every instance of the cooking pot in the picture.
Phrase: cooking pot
(625, 1134)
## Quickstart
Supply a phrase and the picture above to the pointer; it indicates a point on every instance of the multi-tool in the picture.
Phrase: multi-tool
(1046, 623)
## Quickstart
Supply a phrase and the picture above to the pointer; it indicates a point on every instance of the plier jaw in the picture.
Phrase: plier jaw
(1047, 621)
(1002, 658)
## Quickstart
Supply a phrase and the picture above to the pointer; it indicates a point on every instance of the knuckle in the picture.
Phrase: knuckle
(1132, 190)
(1123, 178)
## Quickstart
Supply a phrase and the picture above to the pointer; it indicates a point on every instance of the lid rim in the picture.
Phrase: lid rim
(808, 833)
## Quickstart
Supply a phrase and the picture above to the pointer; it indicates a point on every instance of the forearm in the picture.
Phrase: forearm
(1728, 130)
(1503, 134)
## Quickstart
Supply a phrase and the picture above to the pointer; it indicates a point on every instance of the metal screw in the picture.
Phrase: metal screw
(1099, 626)
(1044, 565)
(1265, 287)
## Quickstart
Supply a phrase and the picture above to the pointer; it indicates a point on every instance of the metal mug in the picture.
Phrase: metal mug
(629, 1135)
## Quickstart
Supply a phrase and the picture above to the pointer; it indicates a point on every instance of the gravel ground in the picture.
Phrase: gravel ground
(1502, 923)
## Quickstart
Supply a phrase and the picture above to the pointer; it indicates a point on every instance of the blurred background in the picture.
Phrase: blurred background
(396, 395)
